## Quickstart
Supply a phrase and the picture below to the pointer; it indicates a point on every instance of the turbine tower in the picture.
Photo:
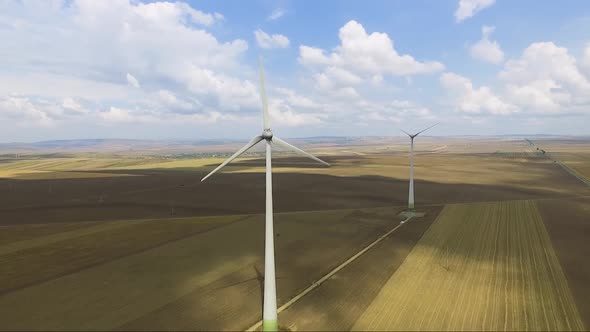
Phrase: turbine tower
(269, 315)
(411, 193)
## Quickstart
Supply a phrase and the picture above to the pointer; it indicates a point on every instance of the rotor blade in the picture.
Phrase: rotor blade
(250, 144)
(418, 133)
(296, 149)
(265, 116)
(406, 132)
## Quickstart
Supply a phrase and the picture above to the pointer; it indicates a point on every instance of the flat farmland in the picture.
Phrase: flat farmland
(172, 274)
(28, 262)
(485, 266)
(340, 300)
(97, 190)
(577, 161)
(574, 153)
(83, 237)
(567, 222)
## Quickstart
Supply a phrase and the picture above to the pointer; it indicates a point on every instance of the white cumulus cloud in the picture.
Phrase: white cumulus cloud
(72, 106)
(266, 40)
(396, 111)
(121, 115)
(585, 61)
(131, 80)
(296, 100)
(89, 45)
(24, 111)
(366, 54)
(276, 14)
(283, 114)
(312, 56)
(361, 59)
(466, 98)
(172, 103)
(289, 108)
(468, 8)
(546, 78)
(485, 49)
(29, 111)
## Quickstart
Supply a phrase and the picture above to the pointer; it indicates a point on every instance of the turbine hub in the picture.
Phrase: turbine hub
(267, 134)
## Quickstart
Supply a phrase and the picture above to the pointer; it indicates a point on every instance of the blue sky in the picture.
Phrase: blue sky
(188, 69)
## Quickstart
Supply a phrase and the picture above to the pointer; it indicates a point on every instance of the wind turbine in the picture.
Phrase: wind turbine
(411, 193)
(269, 316)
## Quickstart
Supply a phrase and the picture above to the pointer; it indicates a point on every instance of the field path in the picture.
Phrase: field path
(479, 267)
(573, 172)
(328, 275)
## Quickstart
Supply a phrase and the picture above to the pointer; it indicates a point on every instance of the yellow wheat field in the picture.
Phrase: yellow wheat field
(488, 266)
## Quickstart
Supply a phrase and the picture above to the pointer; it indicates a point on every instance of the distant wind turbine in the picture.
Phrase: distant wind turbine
(269, 316)
(411, 193)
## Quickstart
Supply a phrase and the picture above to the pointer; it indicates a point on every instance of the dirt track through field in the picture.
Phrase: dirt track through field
(479, 267)
(340, 300)
(331, 273)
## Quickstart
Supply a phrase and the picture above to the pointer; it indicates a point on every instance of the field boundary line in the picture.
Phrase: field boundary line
(132, 253)
(66, 205)
(316, 284)
(566, 168)
(99, 227)
(62, 236)
(572, 172)
(191, 217)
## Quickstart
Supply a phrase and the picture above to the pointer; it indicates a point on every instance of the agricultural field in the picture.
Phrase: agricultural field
(567, 223)
(84, 235)
(579, 162)
(338, 303)
(484, 266)
(199, 271)
(284, 166)
(85, 189)
(574, 153)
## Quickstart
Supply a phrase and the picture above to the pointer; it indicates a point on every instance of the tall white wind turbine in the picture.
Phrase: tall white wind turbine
(411, 193)
(269, 315)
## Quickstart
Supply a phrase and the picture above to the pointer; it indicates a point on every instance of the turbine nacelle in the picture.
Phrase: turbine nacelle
(418, 133)
(267, 134)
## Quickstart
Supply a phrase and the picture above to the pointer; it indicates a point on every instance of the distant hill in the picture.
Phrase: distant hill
(105, 145)
(212, 145)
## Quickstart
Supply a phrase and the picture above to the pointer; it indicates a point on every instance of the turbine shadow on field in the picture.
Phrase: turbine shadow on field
(226, 303)
(260, 280)
(303, 253)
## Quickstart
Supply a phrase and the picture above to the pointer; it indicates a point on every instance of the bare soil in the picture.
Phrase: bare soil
(568, 225)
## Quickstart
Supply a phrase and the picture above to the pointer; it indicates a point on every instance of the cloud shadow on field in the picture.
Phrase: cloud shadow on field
(150, 193)
(304, 251)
